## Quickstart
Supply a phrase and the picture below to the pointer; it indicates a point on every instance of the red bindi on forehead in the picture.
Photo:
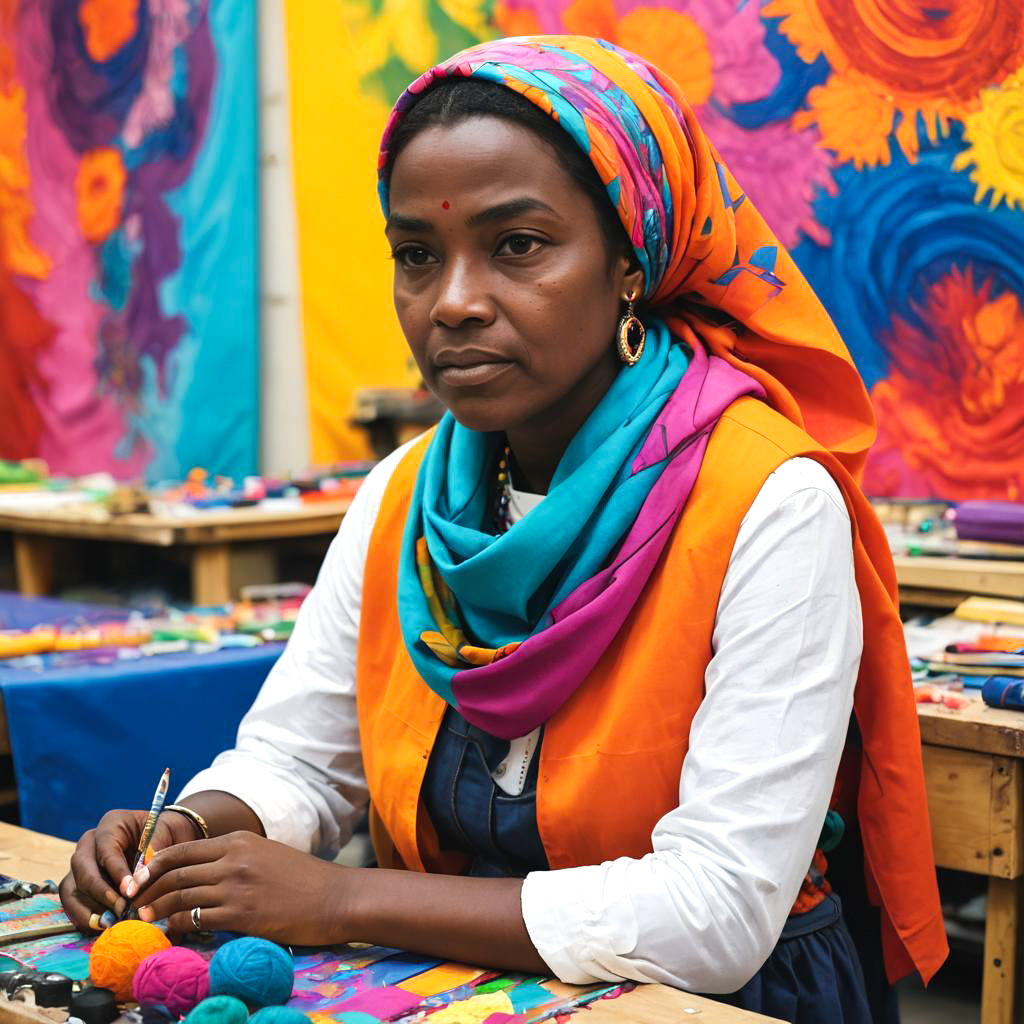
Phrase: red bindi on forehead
(446, 205)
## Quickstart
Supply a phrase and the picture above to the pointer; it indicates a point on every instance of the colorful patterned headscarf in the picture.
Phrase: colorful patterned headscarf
(505, 628)
(713, 269)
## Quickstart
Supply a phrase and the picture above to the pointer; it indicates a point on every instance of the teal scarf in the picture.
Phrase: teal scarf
(502, 587)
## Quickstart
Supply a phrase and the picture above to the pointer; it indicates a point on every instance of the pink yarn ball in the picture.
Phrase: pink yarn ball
(177, 978)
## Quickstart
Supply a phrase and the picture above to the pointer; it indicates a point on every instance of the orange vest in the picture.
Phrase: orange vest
(612, 755)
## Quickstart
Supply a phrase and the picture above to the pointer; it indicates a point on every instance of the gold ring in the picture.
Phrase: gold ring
(196, 911)
(94, 922)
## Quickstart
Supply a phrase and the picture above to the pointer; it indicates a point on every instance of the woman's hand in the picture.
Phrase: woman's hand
(100, 878)
(244, 883)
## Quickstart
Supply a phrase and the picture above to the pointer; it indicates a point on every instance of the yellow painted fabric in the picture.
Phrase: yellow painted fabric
(351, 335)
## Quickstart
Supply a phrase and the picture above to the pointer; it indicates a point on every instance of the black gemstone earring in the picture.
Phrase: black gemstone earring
(630, 335)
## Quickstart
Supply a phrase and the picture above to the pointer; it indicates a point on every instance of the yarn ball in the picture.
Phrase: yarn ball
(117, 953)
(157, 1015)
(219, 1010)
(278, 1015)
(177, 978)
(258, 972)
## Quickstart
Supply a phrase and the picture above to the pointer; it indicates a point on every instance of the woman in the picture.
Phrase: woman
(590, 649)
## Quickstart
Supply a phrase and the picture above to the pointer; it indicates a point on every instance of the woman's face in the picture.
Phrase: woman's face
(502, 280)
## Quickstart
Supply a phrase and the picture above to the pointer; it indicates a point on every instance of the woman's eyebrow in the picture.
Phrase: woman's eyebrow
(498, 212)
(511, 208)
(400, 222)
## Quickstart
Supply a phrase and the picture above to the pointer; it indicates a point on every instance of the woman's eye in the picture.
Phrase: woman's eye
(413, 257)
(519, 245)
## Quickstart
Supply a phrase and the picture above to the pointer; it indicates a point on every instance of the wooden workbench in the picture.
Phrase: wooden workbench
(974, 772)
(211, 540)
(35, 858)
(943, 582)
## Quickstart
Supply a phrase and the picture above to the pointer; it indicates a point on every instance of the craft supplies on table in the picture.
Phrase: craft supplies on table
(978, 641)
(31, 918)
(1004, 692)
(375, 984)
(86, 639)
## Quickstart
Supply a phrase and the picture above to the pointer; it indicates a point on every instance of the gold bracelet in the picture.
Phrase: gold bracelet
(194, 816)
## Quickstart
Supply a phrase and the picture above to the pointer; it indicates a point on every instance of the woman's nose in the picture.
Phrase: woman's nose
(461, 296)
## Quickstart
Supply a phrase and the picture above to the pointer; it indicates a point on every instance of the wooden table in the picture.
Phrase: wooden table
(211, 539)
(944, 582)
(34, 858)
(974, 771)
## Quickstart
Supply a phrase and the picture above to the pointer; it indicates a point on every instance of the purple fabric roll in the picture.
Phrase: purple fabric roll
(1000, 522)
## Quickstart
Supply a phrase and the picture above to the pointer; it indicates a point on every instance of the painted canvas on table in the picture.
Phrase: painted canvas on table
(128, 235)
(366, 984)
(884, 144)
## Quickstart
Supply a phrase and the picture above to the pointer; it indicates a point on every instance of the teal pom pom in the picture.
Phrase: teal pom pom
(218, 1010)
(831, 832)
(256, 971)
(278, 1015)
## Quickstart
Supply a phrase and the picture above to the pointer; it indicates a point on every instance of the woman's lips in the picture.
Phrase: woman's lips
(471, 376)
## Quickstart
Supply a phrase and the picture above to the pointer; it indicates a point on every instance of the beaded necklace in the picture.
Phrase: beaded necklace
(501, 523)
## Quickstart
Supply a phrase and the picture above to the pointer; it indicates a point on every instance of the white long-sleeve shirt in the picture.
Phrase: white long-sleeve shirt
(706, 907)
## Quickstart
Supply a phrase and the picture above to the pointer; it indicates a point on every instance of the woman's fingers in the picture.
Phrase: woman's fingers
(171, 829)
(88, 878)
(83, 910)
(212, 918)
(163, 837)
(117, 837)
(163, 873)
(179, 904)
(101, 866)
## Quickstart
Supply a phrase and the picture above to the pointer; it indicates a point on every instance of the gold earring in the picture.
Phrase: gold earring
(631, 335)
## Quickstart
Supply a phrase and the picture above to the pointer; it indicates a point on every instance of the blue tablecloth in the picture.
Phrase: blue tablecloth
(18, 612)
(85, 740)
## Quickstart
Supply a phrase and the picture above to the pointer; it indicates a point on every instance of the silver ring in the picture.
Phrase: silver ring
(196, 911)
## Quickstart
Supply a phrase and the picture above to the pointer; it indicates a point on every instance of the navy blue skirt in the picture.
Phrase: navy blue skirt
(813, 975)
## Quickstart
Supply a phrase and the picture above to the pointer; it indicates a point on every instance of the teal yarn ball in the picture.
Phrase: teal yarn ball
(219, 1010)
(278, 1015)
(258, 972)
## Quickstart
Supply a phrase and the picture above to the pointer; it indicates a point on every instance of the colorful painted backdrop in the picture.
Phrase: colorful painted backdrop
(883, 141)
(128, 235)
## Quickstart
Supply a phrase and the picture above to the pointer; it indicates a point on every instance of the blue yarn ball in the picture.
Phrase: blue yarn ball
(219, 1010)
(278, 1015)
(256, 971)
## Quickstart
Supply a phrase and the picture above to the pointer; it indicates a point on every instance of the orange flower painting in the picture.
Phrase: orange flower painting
(951, 411)
(895, 64)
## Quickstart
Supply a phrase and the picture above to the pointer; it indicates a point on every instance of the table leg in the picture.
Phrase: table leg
(211, 574)
(1002, 951)
(33, 564)
(253, 564)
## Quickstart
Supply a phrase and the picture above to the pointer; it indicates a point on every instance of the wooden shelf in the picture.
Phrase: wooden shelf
(940, 581)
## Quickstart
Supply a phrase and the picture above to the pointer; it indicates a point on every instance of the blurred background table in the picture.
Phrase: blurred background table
(939, 581)
(75, 742)
(225, 548)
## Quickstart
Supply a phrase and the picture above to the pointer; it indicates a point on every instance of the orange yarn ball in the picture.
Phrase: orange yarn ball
(117, 953)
